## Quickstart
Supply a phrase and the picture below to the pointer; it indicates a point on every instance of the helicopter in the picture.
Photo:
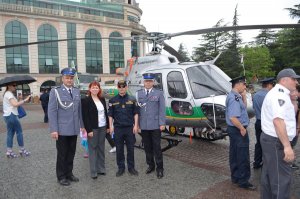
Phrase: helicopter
(195, 93)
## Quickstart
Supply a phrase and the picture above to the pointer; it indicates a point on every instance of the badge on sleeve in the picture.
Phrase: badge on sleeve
(236, 98)
(281, 90)
(281, 102)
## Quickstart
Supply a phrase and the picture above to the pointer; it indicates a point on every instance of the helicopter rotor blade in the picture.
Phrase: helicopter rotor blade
(59, 40)
(172, 51)
(230, 28)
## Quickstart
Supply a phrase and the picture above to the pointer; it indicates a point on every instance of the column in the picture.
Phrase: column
(81, 63)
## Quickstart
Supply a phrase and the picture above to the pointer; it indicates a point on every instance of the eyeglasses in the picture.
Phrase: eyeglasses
(121, 86)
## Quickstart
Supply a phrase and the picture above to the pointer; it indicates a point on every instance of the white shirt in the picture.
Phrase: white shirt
(8, 108)
(101, 114)
(149, 90)
(277, 104)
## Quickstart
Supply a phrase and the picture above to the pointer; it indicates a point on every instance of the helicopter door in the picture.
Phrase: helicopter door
(179, 100)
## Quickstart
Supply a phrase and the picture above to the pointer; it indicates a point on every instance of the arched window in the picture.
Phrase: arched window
(93, 52)
(116, 52)
(17, 59)
(48, 52)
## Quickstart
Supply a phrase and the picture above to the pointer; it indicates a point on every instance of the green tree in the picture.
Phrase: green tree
(183, 52)
(265, 37)
(211, 44)
(257, 62)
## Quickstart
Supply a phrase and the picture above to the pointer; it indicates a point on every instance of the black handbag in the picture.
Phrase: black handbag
(22, 112)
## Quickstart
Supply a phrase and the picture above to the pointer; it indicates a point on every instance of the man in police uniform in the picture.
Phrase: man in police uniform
(65, 122)
(237, 120)
(152, 121)
(123, 121)
(279, 128)
(258, 98)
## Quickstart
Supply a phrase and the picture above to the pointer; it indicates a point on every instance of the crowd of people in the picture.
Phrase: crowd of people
(276, 128)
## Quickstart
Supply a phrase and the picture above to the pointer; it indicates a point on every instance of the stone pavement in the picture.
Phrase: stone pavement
(192, 170)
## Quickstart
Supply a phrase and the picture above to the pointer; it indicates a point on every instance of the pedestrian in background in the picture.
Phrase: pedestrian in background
(152, 120)
(95, 120)
(44, 98)
(65, 123)
(13, 125)
(123, 122)
(237, 120)
(279, 128)
(258, 98)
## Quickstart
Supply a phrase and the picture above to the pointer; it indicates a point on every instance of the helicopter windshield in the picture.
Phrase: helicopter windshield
(206, 81)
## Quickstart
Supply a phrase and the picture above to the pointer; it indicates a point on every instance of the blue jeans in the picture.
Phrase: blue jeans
(13, 126)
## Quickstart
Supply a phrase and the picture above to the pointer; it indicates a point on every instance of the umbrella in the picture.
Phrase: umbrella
(18, 79)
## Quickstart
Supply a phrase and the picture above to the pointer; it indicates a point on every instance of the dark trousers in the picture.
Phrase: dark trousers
(124, 135)
(66, 148)
(239, 158)
(276, 175)
(45, 109)
(258, 151)
(151, 140)
(110, 140)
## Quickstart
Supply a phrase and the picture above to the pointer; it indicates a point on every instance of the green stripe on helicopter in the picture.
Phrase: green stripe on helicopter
(197, 114)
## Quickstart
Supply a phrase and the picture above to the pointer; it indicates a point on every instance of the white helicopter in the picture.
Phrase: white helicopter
(195, 93)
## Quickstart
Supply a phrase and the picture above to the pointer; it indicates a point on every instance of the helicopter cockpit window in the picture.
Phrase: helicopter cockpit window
(182, 108)
(176, 86)
(206, 81)
(158, 81)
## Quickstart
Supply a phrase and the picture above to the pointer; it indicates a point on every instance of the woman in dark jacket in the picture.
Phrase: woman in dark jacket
(95, 120)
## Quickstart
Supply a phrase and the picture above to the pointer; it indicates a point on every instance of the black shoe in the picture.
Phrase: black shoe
(94, 177)
(72, 178)
(102, 173)
(64, 182)
(150, 170)
(120, 172)
(133, 172)
(248, 186)
(294, 166)
(160, 174)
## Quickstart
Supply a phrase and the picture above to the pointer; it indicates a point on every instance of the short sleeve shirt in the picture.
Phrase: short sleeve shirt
(235, 107)
(258, 100)
(277, 104)
(8, 108)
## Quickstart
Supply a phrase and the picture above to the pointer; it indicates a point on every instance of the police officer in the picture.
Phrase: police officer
(123, 121)
(279, 128)
(152, 122)
(258, 98)
(237, 120)
(65, 123)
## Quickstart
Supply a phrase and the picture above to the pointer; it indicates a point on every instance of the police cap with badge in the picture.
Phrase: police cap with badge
(241, 79)
(68, 71)
(148, 76)
(122, 84)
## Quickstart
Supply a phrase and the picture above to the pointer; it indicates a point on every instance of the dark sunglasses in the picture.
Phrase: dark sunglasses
(121, 86)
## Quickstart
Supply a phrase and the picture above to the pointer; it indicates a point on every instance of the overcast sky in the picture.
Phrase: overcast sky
(170, 16)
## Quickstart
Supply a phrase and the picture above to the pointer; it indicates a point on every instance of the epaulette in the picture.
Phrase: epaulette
(76, 87)
(237, 98)
(56, 86)
(281, 90)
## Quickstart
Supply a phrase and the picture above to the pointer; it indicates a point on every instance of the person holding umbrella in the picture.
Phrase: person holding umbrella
(13, 125)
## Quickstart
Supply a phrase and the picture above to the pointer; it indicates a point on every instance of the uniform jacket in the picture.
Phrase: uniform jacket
(152, 109)
(122, 109)
(65, 121)
(90, 113)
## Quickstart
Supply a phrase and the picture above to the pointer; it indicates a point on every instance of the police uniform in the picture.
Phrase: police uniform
(123, 109)
(239, 159)
(258, 99)
(152, 116)
(276, 173)
(64, 112)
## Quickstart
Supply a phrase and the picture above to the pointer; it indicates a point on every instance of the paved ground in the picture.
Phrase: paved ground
(192, 170)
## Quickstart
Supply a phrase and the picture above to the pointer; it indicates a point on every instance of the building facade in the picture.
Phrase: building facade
(98, 24)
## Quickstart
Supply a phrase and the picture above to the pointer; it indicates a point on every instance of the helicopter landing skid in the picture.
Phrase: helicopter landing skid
(172, 142)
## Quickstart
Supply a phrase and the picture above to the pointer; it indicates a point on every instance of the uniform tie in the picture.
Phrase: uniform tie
(70, 93)
(147, 93)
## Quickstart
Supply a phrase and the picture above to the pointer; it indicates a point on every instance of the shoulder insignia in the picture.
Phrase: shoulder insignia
(236, 98)
(281, 102)
(116, 103)
(281, 90)
(129, 102)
